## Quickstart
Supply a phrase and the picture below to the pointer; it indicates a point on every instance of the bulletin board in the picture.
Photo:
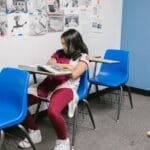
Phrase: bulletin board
(40, 17)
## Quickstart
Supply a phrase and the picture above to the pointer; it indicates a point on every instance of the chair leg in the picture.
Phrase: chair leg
(119, 103)
(74, 128)
(96, 89)
(37, 110)
(89, 88)
(130, 97)
(90, 113)
(2, 136)
(26, 134)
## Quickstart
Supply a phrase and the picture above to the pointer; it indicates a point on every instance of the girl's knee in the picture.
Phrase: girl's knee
(52, 112)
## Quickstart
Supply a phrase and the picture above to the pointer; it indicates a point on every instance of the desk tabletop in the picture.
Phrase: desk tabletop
(102, 60)
(33, 69)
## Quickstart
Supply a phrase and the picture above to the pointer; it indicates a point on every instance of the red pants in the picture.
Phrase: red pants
(59, 100)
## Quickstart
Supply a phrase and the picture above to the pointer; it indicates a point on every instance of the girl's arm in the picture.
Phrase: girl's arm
(79, 69)
(76, 70)
(52, 61)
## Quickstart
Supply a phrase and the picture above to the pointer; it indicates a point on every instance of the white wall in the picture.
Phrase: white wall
(27, 49)
(37, 49)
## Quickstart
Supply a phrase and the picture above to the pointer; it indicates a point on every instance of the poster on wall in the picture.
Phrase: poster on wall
(96, 16)
(53, 6)
(85, 19)
(3, 25)
(85, 3)
(96, 24)
(55, 22)
(17, 24)
(37, 24)
(72, 21)
(66, 4)
(14, 6)
(2, 5)
(91, 16)
(37, 5)
(39, 17)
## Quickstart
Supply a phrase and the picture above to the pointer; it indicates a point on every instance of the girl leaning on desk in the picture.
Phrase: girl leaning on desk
(60, 90)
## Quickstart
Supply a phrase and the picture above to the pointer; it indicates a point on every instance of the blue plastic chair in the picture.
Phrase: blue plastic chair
(82, 93)
(114, 75)
(13, 100)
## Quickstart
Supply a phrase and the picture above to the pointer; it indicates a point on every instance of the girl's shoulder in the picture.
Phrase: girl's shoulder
(84, 57)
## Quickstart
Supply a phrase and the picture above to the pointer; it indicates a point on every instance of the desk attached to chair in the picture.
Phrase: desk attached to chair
(99, 59)
(33, 69)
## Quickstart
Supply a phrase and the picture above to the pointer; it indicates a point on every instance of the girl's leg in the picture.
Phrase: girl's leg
(59, 100)
(34, 132)
(29, 122)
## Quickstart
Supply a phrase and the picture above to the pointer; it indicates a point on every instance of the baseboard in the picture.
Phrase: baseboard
(133, 90)
(140, 91)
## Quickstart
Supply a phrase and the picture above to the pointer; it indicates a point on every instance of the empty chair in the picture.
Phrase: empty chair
(13, 100)
(114, 75)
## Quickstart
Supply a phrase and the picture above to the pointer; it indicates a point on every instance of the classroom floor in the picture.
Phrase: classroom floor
(128, 134)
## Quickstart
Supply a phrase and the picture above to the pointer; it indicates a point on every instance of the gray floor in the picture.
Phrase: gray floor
(128, 134)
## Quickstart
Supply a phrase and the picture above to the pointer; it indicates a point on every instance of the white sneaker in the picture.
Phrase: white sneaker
(35, 136)
(148, 133)
(62, 144)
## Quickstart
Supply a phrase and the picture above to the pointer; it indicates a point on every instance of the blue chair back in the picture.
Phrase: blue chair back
(13, 96)
(121, 68)
(84, 85)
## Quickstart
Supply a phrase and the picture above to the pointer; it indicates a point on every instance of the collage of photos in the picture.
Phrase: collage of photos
(39, 17)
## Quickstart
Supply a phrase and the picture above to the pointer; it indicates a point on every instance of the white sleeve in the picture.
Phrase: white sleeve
(85, 58)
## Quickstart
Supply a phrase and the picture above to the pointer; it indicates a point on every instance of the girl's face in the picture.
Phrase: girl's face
(63, 43)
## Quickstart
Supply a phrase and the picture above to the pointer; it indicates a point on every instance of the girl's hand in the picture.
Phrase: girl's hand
(66, 66)
(53, 61)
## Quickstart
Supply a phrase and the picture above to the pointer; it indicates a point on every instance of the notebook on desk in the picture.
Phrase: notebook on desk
(45, 69)
(56, 70)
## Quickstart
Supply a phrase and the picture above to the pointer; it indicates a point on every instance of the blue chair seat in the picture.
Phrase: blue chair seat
(13, 100)
(107, 79)
(10, 117)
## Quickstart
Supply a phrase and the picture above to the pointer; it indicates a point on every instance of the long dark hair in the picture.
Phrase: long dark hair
(74, 43)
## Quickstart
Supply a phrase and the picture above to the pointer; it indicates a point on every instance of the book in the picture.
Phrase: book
(56, 70)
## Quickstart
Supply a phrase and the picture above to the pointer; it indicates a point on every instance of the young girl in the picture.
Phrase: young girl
(62, 90)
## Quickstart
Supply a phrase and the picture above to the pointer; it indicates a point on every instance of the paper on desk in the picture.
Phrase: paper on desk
(102, 60)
